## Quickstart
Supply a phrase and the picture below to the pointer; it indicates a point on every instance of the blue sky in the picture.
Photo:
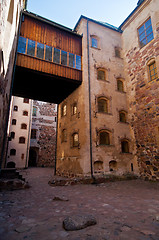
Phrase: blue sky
(67, 12)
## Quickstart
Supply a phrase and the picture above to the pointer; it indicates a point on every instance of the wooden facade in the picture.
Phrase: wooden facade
(63, 67)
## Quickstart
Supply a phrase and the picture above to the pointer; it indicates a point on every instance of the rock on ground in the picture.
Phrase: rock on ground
(78, 222)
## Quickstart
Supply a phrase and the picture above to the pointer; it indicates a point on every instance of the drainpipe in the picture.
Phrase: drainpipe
(56, 139)
(3, 154)
(29, 131)
(89, 89)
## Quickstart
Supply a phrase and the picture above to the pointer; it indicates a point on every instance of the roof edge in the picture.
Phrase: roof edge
(40, 18)
(97, 22)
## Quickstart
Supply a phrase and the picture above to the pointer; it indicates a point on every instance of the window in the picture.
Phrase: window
(12, 135)
(64, 136)
(78, 62)
(122, 116)
(117, 52)
(34, 111)
(48, 53)
(12, 152)
(22, 140)
(23, 126)
(104, 138)
(15, 108)
(71, 60)
(56, 55)
(125, 146)
(33, 133)
(14, 121)
(102, 105)
(120, 86)
(75, 140)
(31, 48)
(63, 110)
(152, 70)
(74, 109)
(25, 113)
(94, 42)
(145, 33)
(64, 58)
(26, 100)
(40, 50)
(22, 156)
(101, 74)
(21, 45)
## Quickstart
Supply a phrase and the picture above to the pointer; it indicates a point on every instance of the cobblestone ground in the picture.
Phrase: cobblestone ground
(124, 210)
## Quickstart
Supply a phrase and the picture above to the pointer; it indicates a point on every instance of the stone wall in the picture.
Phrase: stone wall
(143, 93)
(45, 125)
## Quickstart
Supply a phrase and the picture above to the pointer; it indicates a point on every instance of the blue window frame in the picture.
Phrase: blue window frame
(31, 48)
(56, 55)
(21, 45)
(64, 58)
(40, 50)
(78, 62)
(145, 33)
(48, 53)
(71, 60)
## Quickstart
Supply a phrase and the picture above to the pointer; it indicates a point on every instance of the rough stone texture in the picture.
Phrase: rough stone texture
(45, 124)
(144, 94)
(78, 222)
(13, 184)
(124, 210)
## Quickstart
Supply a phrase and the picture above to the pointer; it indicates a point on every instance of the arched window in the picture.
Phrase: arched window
(22, 140)
(75, 140)
(104, 138)
(15, 108)
(14, 121)
(74, 109)
(12, 152)
(12, 134)
(120, 86)
(23, 126)
(122, 116)
(25, 113)
(63, 110)
(64, 136)
(152, 70)
(102, 105)
(125, 146)
(101, 74)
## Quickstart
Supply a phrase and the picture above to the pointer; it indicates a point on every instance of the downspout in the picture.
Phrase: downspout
(29, 131)
(11, 89)
(89, 89)
(56, 139)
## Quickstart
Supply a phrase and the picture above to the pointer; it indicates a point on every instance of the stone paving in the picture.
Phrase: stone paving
(123, 210)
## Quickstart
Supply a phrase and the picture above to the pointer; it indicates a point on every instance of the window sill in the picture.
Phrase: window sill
(105, 145)
(121, 92)
(96, 48)
(105, 113)
(123, 122)
(126, 153)
(103, 80)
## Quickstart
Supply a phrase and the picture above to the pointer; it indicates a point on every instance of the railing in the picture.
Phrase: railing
(48, 53)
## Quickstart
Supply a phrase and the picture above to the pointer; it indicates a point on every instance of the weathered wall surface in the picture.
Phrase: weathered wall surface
(45, 125)
(22, 149)
(143, 93)
(76, 160)
(9, 15)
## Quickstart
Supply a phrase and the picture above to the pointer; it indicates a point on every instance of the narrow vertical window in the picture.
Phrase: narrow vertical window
(153, 71)
(31, 48)
(120, 86)
(40, 50)
(125, 146)
(75, 140)
(104, 138)
(94, 42)
(71, 60)
(64, 58)
(78, 62)
(102, 105)
(21, 45)
(56, 58)
(33, 133)
(48, 53)
(34, 111)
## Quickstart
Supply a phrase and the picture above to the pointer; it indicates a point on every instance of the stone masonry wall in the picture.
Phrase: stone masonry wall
(45, 124)
(144, 108)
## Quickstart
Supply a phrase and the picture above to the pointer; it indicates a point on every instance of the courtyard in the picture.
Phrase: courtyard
(123, 209)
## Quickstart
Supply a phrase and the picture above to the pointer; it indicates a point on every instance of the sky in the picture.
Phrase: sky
(67, 12)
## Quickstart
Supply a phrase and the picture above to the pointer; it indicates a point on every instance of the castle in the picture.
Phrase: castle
(109, 124)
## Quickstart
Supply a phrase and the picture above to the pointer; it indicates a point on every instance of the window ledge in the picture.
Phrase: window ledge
(105, 113)
(96, 48)
(105, 145)
(103, 80)
(121, 92)
(126, 153)
(123, 122)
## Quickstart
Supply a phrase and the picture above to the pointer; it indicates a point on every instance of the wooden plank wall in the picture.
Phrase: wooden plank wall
(52, 36)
